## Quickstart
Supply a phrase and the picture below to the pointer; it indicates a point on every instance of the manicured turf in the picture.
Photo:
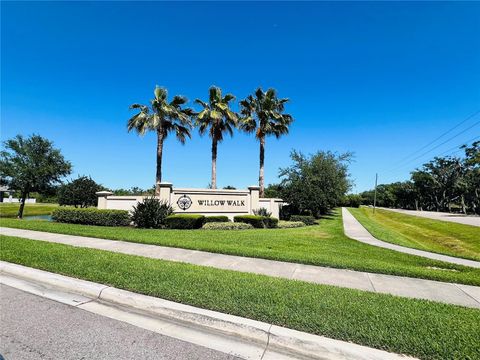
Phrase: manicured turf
(323, 244)
(425, 234)
(10, 210)
(416, 327)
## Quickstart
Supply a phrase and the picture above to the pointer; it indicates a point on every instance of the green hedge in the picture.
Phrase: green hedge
(226, 226)
(216, 218)
(256, 221)
(270, 222)
(306, 219)
(185, 221)
(92, 216)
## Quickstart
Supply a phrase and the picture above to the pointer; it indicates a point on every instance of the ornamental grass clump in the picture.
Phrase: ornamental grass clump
(151, 213)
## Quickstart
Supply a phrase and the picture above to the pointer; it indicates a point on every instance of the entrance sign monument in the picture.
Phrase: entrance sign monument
(199, 201)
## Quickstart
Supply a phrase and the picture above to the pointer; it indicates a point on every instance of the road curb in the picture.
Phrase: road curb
(254, 339)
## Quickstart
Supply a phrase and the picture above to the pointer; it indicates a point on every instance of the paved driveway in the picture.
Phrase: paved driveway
(458, 218)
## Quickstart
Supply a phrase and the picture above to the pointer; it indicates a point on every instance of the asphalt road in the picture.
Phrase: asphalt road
(458, 218)
(33, 327)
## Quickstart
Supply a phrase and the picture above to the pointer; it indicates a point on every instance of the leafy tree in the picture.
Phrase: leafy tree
(217, 118)
(262, 113)
(471, 181)
(32, 164)
(163, 117)
(273, 191)
(315, 184)
(80, 192)
(445, 175)
(440, 184)
(229, 187)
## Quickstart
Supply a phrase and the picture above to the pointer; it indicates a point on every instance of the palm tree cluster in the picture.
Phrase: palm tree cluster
(261, 113)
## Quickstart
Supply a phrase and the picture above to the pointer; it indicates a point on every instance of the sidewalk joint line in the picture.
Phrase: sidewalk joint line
(371, 282)
(470, 296)
(268, 342)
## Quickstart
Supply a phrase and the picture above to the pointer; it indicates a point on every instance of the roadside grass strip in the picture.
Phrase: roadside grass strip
(322, 245)
(419, 328)
(438, 236)
(10, 210)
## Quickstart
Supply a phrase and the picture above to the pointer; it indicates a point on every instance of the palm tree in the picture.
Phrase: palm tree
(163, 117)
(262, 113)
(216, 118)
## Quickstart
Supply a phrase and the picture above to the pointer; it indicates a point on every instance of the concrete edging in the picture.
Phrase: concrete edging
(253, 339)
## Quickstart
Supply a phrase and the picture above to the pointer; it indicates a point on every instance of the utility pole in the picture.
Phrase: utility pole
(375, 196)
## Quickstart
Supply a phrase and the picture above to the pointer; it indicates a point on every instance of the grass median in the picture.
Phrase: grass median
(438, 236)
(420, 328)
(10, 210)
(323, 245)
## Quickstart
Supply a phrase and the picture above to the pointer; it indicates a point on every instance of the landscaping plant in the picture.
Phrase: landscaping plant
(226, 226)
(283, 224)
(151, 213)
(262, 212)
(306, 219)
(185, 221)
(91, 216)
(216, 218)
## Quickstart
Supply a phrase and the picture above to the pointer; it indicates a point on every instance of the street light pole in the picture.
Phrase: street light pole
(375, 196)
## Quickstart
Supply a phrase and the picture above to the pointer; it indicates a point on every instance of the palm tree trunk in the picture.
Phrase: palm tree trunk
(214, 163)
(261, 177)
(158, 177)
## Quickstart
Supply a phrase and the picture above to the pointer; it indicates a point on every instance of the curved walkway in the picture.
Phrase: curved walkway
(449, 293)
(355, 230)
(443, 216)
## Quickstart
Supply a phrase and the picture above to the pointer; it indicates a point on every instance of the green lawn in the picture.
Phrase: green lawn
(420, 328)
(323, 244)
(10, 210)
(425, 234)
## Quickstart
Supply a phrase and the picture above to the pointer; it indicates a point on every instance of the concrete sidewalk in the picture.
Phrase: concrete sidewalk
(434, 215)
(355, 230)
(449, 293)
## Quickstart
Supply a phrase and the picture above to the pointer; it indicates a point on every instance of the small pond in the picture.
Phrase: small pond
(38, 217)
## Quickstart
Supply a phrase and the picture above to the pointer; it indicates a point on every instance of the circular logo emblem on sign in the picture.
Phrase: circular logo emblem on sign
(184, 202)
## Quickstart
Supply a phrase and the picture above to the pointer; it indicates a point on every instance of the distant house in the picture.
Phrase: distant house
(6, 196)
(5, 192)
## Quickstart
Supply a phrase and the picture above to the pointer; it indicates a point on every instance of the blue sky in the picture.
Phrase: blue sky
(379, 79)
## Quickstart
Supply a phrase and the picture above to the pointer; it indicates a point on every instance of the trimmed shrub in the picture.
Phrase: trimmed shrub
(270, 222)
(151, 213)
(306, 219)
(262, 212)
(282, 224)
(216, 218)
(92, 216)
(254, 220)
(227, 226)
(185, 221)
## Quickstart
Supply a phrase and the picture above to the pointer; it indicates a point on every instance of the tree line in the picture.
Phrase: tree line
(261, 113)
(449, 183)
